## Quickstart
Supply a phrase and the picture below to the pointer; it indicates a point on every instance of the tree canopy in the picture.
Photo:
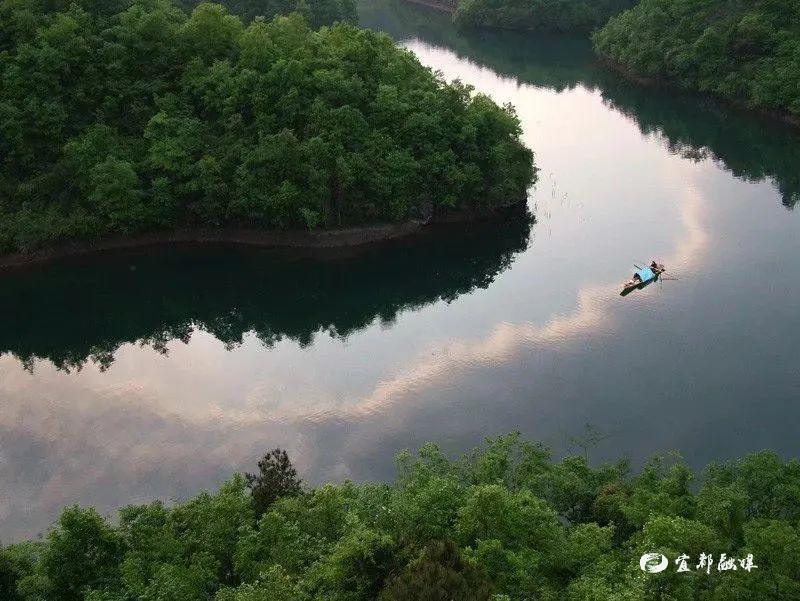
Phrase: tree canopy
(317, 12)
(546, 15)
(129, 116)
(747, 52)
(503, 522)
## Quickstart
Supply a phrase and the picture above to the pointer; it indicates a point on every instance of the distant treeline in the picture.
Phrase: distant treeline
(123, 116)
(541, 15)
(746, 51)
(504, 522)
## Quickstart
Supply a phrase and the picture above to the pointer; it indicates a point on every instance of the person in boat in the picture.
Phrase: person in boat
(654, 266)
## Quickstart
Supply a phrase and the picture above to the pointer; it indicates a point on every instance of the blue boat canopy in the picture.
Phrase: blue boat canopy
(646, 274)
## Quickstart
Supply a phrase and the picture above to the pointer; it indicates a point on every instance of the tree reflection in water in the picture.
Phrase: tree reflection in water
(84, 309)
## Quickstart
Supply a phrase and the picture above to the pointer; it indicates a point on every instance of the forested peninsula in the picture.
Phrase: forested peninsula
(539, 15)
(504, 522)
(129, 116)
(746, 52)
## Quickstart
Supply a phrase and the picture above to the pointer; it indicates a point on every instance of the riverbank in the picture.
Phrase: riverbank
(235, 236)
(342, 238)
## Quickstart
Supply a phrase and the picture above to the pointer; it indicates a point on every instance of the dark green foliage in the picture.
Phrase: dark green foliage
(276, 478)
(542, 15)
(119, 118)
(8, 578)
(439, 574)
(504, 522)
(316, 12)
(747, 52)
(20, 571)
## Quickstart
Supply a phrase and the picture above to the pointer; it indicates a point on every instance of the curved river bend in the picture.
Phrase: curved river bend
(152, 374)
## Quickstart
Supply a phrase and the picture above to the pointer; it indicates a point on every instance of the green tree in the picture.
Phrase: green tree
(743, 52)
(130, 117)
(276, 478)
(491, 531)
(83, 551)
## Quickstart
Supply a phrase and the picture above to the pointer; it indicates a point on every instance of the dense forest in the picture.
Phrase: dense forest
(316, 12)
(746, 51)
(504, 522)
(128, 116)
(542, 15)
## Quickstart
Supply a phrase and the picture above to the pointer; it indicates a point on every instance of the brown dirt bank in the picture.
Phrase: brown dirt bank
(343, 238)
(659, 82)
(238, 236)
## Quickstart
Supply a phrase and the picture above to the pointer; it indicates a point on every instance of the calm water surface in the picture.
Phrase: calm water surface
(153, 374)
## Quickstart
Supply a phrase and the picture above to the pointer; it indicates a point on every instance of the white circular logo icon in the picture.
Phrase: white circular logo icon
(653, 563)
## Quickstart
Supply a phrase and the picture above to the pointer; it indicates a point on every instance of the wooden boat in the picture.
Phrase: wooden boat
(641, 278)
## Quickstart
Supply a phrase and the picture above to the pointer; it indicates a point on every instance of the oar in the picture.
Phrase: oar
(636, 266)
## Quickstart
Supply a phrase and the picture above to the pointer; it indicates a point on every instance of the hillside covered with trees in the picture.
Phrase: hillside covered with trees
(504, 522)
(316, 12)
(130, 116)
(747, 52)
(539, 15)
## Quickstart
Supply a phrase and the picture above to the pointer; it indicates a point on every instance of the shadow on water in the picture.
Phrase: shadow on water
(153, 296)
(696, 128)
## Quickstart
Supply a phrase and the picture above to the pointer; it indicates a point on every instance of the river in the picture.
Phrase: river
(156, 373)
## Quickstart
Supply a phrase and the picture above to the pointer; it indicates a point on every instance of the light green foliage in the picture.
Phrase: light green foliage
(515, 519)
(746, 52)
(82, 552)
(499, 523)
(131, 116)
(210, 33)
(542, 15)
